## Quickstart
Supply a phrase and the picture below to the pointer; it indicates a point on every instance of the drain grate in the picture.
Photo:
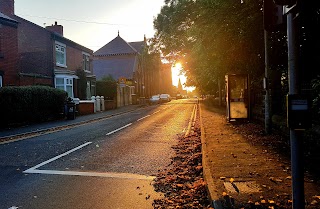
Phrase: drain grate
(242, 187)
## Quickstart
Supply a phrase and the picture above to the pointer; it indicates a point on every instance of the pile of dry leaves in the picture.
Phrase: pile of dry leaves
(182, 183)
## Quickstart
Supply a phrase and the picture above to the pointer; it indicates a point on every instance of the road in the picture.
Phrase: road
(105, 164)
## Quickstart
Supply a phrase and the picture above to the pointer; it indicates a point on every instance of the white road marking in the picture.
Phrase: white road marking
(57, 157)
(35, 170)
(93, 174)
(155, 112)
(112, 132)
(143, 117)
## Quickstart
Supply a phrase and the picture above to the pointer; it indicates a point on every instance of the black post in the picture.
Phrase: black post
(295, 135)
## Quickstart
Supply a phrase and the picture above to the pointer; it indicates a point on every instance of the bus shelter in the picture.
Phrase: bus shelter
(237, 96)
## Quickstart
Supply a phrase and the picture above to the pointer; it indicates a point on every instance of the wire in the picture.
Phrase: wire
(80, 21)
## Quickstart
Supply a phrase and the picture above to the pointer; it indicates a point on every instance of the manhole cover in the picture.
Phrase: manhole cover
(242, 187)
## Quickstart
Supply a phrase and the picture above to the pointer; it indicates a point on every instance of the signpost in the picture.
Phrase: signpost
(298, 106)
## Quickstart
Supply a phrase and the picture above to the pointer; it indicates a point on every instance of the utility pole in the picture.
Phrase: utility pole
(295, 135)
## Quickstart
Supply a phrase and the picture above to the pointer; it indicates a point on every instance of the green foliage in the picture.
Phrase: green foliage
(212, 38)
(108, 78)
(107, 87)
(82, 84)
(30, 104)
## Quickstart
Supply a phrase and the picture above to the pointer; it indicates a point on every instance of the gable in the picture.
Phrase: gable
(117, 46)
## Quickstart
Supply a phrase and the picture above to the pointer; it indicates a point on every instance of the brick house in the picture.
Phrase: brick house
(48, 58)
(8, 50)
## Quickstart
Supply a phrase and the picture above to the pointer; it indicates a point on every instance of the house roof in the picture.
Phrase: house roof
(54, 35)
(139, 45)
(118, 46)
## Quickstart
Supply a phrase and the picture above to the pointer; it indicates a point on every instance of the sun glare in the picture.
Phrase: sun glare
(177, 74)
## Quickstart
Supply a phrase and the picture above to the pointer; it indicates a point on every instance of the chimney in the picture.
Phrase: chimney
(7, 7)
(55, 28)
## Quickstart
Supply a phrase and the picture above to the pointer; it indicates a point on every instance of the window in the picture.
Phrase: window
(86, 62)
(65, 83)
(61, 58)
(0, 81)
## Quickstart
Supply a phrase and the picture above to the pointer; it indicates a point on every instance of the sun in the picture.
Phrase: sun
(176, 74)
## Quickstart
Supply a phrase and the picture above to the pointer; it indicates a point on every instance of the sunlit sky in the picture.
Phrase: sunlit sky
(95, 23)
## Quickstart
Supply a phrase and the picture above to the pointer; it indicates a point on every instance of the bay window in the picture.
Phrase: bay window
(65, 83)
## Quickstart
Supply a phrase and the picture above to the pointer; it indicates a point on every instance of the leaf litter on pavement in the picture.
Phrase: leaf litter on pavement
(183, 185)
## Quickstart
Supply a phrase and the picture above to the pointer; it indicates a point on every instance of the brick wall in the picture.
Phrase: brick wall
(74, 58)
(9, 54)
(7, 7)
(35, 50)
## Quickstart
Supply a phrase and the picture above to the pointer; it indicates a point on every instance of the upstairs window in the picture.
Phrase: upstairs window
(61, 55)
(86, 62)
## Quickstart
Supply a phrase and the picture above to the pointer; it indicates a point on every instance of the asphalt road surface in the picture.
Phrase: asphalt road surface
(105, 164)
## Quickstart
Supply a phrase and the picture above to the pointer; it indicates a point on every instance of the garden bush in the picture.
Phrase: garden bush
(108, 89)
(30, 104)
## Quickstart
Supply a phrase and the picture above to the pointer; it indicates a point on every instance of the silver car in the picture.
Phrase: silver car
(155, 99)
(165, 98)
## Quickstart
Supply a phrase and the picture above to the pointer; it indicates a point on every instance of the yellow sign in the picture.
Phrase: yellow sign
(122, 80)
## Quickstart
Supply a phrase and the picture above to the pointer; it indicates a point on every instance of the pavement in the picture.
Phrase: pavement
(241, 168)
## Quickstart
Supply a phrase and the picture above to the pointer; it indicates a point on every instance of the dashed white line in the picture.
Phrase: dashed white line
(112, 132)
(144, 117)
(155, 112)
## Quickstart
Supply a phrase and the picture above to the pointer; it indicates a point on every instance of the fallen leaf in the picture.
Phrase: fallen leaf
(317, 197)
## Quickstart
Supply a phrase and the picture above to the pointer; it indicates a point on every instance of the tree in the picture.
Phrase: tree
(82, 84)
(211, 38)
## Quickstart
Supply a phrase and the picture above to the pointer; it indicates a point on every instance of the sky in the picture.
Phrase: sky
(95, 23)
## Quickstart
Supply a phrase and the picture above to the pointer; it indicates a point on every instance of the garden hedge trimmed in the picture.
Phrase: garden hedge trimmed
(25, 104)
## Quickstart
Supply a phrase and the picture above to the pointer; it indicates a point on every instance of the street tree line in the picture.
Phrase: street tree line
(212, 38)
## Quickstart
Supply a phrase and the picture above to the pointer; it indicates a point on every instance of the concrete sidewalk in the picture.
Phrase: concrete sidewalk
(241, 172)
(34, 128)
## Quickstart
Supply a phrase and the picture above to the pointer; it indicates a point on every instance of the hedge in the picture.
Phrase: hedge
(108, 89)
(30, 104)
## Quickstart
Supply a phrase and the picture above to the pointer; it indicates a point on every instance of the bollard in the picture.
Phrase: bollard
(102, 103)
(98, 105)
(93, 98)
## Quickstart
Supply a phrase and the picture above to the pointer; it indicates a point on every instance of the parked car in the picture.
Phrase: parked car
(165, 98)
(155, 99)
